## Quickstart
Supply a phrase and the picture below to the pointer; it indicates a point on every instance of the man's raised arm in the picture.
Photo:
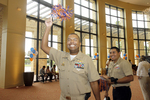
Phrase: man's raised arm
(44, 45)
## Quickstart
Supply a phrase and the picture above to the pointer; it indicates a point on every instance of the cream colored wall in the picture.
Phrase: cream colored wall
(13, 43)
(3, 2)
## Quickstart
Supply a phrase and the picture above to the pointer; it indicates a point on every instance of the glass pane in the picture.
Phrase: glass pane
(57, 34)
(86, 50)
(147, 24)
(107, 19)
(44, 12)
(84, 3)
(120, 12)
(134, 33)
(92, 15)
(77, 23)
(49, 1)
(148, 44)
(140, 15)
(95, 63)
(85, 39)
(133, 15)
(108, 53)
(29, 43)
(147, 34)
(93, 40)
(93, 28)
(30, 66)
(147, 17)
(85, 12)
(42, 31)
(57, 46)
(115, 42)
(148, 52)
(56, 2)
(142, 52)
(140, 24)
(114, 20)
(114, 32)
(108, 42)
(41, 53)
(108, 30)
(32, 9)
(120, 21)
(134, 23)
(121, 43)
(142, 44)
(141, 35)
(122, 53)
(121, 33)
(92, 5)
(77, 1)
(31, 28)
(107, 11)
(113, 11)
(136, 44)
(85, 26)
(93, 51)
(76, 9)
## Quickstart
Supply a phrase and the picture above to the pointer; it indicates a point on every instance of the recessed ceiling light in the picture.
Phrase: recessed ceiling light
(147, 3)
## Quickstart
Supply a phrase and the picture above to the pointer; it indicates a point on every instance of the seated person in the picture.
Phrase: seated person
(49, 73)
(54, 72)
(42, 73)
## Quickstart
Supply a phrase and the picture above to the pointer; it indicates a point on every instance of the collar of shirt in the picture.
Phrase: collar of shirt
(119, 59)
(79, 56)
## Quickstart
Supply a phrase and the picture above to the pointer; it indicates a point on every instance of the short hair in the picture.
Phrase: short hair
(117, 49)
(43, 66)
(47, 66)
(76, 35)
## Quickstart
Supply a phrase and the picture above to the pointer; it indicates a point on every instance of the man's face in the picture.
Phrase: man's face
(114, 54)
(73, 44)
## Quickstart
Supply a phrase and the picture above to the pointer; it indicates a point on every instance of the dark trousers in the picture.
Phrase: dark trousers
(42, 78)
(87, 95)
(50, 75)
(122, 93)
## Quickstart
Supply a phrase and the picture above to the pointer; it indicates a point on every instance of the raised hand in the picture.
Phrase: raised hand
(49, 22)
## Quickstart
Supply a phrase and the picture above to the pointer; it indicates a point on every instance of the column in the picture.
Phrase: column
(13, 44)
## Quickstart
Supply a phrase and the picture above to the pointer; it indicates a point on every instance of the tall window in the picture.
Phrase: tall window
(85, 23)
(37, 12)
(115, 28)
(141, 34)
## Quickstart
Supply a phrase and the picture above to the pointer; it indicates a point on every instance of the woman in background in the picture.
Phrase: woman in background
(144, 79)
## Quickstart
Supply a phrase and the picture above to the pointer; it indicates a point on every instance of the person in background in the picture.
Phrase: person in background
(42, 73)
(143, 77)
(119, 76)
(130, 62)
(49, 73)
(55, 73)
(77, 73)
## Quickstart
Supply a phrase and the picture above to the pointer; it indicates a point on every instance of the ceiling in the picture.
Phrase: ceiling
(138, 2)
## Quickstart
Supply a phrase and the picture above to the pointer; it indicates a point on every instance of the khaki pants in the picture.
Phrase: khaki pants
(77, 97)
(145, 87)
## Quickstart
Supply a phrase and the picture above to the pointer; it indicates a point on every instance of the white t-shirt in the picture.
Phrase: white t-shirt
(72, 56)
(143, 69)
